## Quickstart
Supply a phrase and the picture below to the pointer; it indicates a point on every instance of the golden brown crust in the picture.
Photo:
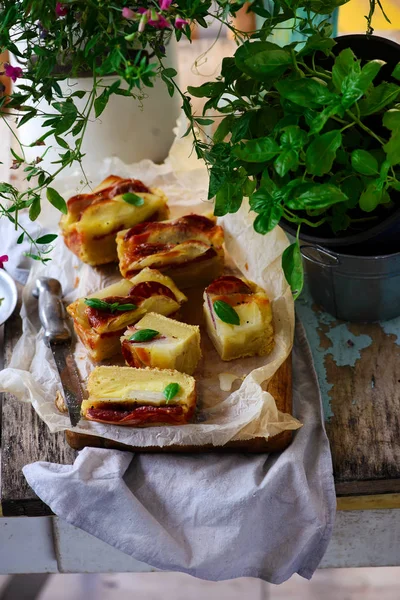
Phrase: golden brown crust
(93, 220)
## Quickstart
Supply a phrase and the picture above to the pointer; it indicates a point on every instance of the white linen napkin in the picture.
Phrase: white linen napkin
(214, 516)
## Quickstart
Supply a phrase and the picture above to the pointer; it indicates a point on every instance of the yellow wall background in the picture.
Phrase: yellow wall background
(352, 16)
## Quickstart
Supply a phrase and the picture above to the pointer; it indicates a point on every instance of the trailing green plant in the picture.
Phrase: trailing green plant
(305, 134)
(54, 41)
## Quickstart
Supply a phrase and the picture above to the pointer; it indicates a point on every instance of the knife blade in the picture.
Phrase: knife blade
(57, 335)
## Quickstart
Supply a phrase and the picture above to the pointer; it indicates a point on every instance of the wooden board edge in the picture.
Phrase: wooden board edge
(372, 502)
(259, 445)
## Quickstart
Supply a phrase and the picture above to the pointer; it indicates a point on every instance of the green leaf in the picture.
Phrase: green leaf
(355, 85)
(228, 199)
(226, 312)
(100, 103)
(99, 304)
(144, 335)
(322, 151)
(248, 187)
(61, 142)
(258, 150)
(317, 42)
(293, 137)
(315, 195)
(363, 162)
(391, 119)
(207, 90)
(202, 121)
(325, 7)
(223, 129)
(345, 63)
(293, 268)
(21, 238)
(308, 93)
(47, 239)
(262, 60)
(396, 71)
(170, 72)
(392, 148)
(26, 118)
(268, 219)
(240, 127)
(34, 209)
(371, 197)
(133, 199)
(319, 121)
(217, 179)
(261, 200)
(288, 160)
(378, 98)
(171, 391)
(56, 200)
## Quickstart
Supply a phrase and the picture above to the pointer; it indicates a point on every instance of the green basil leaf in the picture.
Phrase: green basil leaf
(223, 129)
(371, 197)
(293, 268)
(101, 102)
(228, 199)
(288, 160)
(308, 93)
(363, 162)
(144, 335)
(391, 119)
(125, 307)
(56, 200)
(240, 127)
(171, 391)
(355, 85)
(218, 177)
(345, 63)
(47, 239)
(207, 90)
(248, 187)
(325, 7)
(317, 42)
(202, 121)
(392, 148)
(261, 60)
(319, 120)
(226, 312)
(322, 151)
(315, 195)
(133, 199)
(260, 200)
(293, 137)
(268, 219)
(34, 209)
(378, 98)
(258, 150)
(396, 71)
(97, 303)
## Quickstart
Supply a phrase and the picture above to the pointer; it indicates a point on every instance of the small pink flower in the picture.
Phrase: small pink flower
(61, 10)
(180, 23)
(160, 22)
(165, 4)
(13, 72)
(3, 259)
(127, 13)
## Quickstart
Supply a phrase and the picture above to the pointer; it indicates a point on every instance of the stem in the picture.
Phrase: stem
(367, 129)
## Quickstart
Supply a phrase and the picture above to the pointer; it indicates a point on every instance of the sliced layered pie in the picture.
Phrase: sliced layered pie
(188, 249)
(238, 318)
(93, 220)
(101, 318)
(139, 397)
(157, 341)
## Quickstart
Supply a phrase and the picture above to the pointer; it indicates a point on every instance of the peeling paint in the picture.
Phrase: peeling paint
(346, 349)
(392, 327)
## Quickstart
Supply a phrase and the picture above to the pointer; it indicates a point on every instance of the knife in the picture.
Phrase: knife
(57, 335)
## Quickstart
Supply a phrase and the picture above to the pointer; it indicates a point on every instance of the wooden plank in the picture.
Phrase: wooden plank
(25, 439)
(280, 387)
(373, 502)
(357, 368)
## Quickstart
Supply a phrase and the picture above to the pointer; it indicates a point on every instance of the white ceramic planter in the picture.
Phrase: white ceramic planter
(128, 129)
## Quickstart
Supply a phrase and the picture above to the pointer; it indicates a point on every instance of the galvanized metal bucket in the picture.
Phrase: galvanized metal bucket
(354, 288)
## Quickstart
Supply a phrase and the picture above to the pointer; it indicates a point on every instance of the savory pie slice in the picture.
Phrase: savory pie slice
(101, 318)
(93, 220)
(139, 397)
(188, 249)
(238, 318)
(157, 341)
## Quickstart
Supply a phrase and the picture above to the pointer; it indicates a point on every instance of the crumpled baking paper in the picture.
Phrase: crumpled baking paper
(244, 413)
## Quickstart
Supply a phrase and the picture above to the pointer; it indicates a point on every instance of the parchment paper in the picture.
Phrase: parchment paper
(246, 412)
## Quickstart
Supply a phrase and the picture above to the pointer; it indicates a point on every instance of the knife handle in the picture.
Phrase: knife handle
(51, 311)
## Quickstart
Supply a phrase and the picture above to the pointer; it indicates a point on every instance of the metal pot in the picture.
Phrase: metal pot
(354, 288)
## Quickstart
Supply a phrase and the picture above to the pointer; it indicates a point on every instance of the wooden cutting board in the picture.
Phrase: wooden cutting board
(280, 387)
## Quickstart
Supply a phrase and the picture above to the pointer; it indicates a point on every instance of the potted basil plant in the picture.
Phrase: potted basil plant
(310, 133)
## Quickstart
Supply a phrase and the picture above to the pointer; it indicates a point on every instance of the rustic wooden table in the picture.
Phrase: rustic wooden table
(356, 367)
